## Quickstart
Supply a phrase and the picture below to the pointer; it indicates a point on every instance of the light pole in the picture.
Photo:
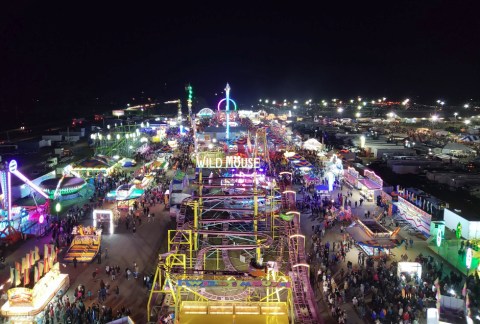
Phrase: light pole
(434, 119)
(58, 208)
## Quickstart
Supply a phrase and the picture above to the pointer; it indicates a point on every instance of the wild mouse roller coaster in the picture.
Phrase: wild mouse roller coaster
(237, 254)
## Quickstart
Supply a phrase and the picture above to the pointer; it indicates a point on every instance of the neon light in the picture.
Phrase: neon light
(301, 265)
(227, 109)
(439, 237)
(220, 102)
(31, 184)
(293, 212)
(468, 260)
(105, 211)
(9, 189)
(297, 235)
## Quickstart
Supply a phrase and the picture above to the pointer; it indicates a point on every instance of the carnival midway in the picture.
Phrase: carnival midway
(228, 216)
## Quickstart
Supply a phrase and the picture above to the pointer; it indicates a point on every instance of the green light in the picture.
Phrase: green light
(439, 237)
(468, 258)
(458, 232)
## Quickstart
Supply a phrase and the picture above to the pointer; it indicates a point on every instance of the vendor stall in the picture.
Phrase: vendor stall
(408, 270)
(414, 215)
(25, 305)
(372, 238)
(351, 177)
(370, 185)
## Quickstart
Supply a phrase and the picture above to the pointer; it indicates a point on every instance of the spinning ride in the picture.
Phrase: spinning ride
(17, 220)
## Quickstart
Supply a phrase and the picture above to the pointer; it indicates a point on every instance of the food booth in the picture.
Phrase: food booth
(351, 177)
(370, 185)
(372, 238)
(26, 305)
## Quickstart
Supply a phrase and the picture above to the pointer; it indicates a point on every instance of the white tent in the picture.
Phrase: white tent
(312, 144)
(457, 149)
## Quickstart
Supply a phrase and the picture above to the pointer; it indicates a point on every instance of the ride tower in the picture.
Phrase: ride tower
(227, 116)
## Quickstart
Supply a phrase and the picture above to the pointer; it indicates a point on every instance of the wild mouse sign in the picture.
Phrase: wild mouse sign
(228, 162)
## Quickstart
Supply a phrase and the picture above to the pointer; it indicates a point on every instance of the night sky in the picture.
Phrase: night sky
(58, 57)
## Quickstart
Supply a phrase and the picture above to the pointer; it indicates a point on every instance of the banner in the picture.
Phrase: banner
(32, 257)
(27, 261)
(24, 265)
(26, 277)
(36, 275)
(17, 277)
(53, 252)
(41, 269)
(20, 297)
(46, 267)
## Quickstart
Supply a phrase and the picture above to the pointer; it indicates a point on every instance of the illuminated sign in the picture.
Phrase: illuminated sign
(468, 259)
(232, 283)
(228, 162)
(12, 166)
(20, 296)
(373, 177)
(439, 237)
(351, 171)
(118, 113)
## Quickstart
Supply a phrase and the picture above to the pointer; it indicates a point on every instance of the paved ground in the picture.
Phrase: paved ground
(124, 248)
(333, 234)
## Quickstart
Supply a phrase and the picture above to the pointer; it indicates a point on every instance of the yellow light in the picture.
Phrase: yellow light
(300, 265)
(297, 235)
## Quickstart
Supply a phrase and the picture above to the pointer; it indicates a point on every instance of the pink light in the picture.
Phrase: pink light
(41, 219)
(31, 184)
(9, 189)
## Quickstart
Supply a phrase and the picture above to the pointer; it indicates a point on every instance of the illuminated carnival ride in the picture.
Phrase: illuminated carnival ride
(85, 244)
(18, 220)
(237, 253)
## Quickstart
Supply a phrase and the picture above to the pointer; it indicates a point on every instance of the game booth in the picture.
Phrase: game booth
(409, 270)
(370, 185)
(85, 244)
(41, 281)
(414, 215)
(373, 238)
(351, 177)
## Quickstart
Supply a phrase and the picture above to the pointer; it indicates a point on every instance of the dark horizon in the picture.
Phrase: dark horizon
(64, 57)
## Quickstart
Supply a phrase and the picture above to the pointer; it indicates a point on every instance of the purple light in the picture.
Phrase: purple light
(31, 184)
(261, 170)
(41, 219)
